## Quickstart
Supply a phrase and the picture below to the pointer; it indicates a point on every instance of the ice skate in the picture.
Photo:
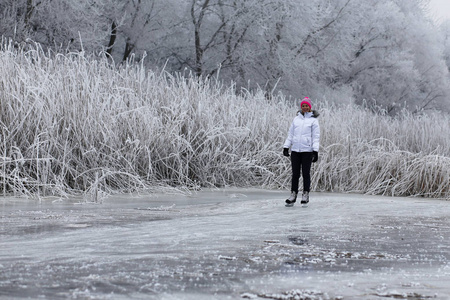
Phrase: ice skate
(291, 200)
(305, 199)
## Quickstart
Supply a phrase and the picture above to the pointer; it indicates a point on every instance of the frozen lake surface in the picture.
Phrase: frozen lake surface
(226, 244)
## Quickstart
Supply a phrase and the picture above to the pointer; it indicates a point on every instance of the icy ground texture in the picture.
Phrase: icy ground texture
(226, 244)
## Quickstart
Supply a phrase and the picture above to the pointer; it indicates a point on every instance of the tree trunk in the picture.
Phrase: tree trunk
(128, 49)
(29, 12)
(198, 53)
(112, 38)
(197, 42)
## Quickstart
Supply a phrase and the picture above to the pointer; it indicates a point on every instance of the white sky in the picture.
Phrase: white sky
(440, 9)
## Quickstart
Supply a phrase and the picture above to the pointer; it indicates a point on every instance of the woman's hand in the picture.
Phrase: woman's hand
(315, 156)
(286, 152)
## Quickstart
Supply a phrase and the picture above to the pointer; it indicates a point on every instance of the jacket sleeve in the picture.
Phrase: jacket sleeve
(288, 142)
(315, 135)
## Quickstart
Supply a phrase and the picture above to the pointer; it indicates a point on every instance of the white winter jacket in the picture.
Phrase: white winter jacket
(304, 133)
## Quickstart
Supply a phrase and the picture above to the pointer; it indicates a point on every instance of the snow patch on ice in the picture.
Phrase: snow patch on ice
(160, 208)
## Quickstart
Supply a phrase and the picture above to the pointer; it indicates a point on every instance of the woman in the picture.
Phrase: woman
(303, 139)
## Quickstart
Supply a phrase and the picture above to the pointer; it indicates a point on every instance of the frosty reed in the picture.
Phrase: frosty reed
(74, 124)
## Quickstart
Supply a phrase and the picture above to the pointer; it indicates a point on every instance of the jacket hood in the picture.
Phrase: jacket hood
(315, 113)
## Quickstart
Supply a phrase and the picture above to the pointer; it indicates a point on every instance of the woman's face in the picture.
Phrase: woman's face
(305, 108)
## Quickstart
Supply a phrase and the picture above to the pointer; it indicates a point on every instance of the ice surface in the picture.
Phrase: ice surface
(226, 244)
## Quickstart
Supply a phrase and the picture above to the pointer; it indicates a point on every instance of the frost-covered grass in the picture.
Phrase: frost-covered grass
(375, 154)
(72, 124)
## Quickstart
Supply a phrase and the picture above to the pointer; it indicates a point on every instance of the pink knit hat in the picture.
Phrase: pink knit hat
(307, 101)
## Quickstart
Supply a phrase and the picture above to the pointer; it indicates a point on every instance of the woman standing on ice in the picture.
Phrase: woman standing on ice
(303, 139)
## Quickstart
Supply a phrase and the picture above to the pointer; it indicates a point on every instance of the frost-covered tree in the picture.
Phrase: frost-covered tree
(14, 18)
(445, 29)
(386, 51)
(139, 27)
(56, 24)
(421, 67)
(216, 36)
(380, 53)
(298, 45)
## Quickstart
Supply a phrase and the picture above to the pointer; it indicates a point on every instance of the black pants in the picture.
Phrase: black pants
(303, 160)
